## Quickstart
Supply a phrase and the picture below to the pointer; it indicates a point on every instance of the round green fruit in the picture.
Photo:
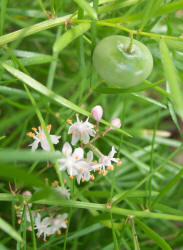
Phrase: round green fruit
(116, 63)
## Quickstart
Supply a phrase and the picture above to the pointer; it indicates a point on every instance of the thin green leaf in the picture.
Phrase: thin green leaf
(172, 78)
(139, 88)
(116, 6)
(11, 172)
(149, 100)
(9, 155)
(152, 235)
(3, 15)
(10, 230)
(146, 13)
(70, 35)
(167, 188)
(33, 29)
(83, 4)
(34, 60)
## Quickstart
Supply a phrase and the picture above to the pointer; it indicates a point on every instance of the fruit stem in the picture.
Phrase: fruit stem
(130, 47)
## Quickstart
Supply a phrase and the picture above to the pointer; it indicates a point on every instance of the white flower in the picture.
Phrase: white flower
(72, 161)
(42, 226)
(57, 223)
(40, 137)
(84, 173)
(105, 160)
(49, 225)
(64, 192)
(81, 130)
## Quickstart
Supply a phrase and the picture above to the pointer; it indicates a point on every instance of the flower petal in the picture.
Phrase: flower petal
(34, 145)
(67, 149)
(78, 153)
(90, 156)
(55, 139)
(85, 137)
(112, 152)
(75, 138)
(44, 144)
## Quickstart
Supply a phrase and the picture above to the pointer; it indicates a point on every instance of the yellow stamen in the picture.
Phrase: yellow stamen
(94, 161)
(55, 183)
(82, 179)
(81, 169)
(105, 173)
(77, 157)
(66, 221)
(44, 240)
(30, 134)
(34, 129)
(15, 206)
(65, 181)
(77, 114)
(69, 121)
(118, 163)
(72, 132)
(49, 127)
(101, 171)
(71, 177)
(46, 179)
(111, 168)
(59, 232)
(40, 136)
(19, 222)
(97, 169)
(92, 177)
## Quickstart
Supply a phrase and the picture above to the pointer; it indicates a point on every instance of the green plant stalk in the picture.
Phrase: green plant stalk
(149, 182)
(3, 15)
(32, 232)
(51, 23)
(102, 207)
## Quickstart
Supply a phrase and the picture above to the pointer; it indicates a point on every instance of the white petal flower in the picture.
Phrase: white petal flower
(88, 166)
(84, 173)
(105, 161)
(42, 226)
(40, 137)
(49, 225)
(57, 223)
(72, 161)
(81, 130)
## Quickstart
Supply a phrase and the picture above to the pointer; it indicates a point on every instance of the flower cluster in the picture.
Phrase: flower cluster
(74, 161)
(49, 225)
(44, 226)
(77, 161)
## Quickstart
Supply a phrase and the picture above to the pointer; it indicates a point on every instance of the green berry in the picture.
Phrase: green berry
(119, 64)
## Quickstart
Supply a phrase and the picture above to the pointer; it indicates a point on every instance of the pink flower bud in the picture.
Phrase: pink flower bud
(27, 193)
(116, 122)
(97, 113)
